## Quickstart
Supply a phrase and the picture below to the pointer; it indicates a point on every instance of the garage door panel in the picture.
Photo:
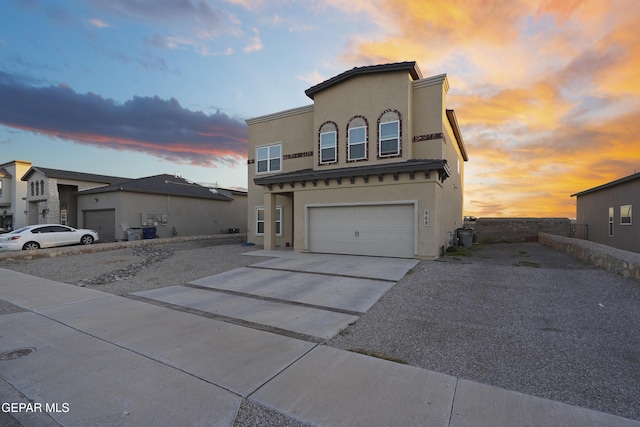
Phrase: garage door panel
(381, 230)
(104, 222)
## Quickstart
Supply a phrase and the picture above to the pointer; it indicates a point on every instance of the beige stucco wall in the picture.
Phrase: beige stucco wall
(190, 216)
(421, 105)
(368, 96)
(426, 194)
(13, 190)
(292, 128)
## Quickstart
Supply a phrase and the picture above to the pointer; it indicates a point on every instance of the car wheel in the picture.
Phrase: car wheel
(30, 246)
(86, 240)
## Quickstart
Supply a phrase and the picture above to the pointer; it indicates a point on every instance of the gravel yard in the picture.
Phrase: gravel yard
(518, 316)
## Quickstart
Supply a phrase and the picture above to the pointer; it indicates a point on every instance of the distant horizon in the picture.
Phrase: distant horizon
(546, 93)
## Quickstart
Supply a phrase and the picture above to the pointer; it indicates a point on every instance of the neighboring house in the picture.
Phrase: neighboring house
(13, 206)
(170, 203)
(51, 194)
(607, 211)
(375, 166)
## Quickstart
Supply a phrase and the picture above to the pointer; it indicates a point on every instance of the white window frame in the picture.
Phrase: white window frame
(269, 158)
(278, 220)
(351, 144)
(381, 140)
(611, 215)
(335, 147)
(626, 213)
(0, 187)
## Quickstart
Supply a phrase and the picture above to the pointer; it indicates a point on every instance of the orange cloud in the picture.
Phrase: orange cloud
(547, 93)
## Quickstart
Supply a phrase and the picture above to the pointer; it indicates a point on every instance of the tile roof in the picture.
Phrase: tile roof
(164, 185)
(410, 166)
(71, 175)
(410, 66)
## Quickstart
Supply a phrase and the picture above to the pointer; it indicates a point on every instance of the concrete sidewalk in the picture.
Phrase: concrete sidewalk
(91, 358)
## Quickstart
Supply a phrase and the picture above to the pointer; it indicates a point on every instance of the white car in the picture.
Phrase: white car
(46, 236)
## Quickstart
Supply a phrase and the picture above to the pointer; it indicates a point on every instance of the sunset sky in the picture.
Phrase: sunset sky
(547, 93)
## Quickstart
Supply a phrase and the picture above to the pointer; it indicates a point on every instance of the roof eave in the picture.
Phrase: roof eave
(411, 166)
(622, 180)
(453, 121)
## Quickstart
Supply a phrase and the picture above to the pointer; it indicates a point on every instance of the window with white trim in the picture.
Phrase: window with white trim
(625, 215)
(260, 221)
(328, 143)
(610, 222)
(328, 147)
(357, 140)
(389, 135)
(269, 158)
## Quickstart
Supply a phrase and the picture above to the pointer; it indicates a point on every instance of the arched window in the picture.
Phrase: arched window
(389, 137)
(42, 187)
(32, 190)
(357, 137)
(328, 143)
(37, 188)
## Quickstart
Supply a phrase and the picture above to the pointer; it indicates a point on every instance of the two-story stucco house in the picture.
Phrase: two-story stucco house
(375, 166)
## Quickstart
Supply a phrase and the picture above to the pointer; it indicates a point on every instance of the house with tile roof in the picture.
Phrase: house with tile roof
(51, 193)
(112, 205)
(171, 204)
(374, 166)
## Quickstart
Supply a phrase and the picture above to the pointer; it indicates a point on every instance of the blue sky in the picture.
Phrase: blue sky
(138, 87)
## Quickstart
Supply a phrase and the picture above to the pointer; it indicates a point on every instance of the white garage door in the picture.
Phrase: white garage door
(102, 221)
(377, 230)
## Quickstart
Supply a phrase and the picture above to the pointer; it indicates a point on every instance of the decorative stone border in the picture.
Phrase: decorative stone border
(624, 263)
(101, 247)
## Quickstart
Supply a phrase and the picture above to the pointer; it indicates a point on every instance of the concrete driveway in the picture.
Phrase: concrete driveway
(308, 296)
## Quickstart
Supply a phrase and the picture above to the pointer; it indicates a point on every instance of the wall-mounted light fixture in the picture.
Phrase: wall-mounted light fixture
(45, 211)
(96, 200)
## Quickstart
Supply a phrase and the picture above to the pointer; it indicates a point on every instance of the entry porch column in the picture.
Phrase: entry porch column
(269, 221)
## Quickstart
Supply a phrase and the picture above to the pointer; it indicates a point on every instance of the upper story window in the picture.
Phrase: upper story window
(389, 134)
(32, 189)
(625, 215)
(269, 158)
(357, 139)
(328, 143)
(0, 188)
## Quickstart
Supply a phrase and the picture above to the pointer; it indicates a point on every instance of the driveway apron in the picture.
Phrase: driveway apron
(307, 296)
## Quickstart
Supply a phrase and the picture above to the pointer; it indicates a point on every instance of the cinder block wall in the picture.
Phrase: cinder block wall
(496, 230)
(624, 263)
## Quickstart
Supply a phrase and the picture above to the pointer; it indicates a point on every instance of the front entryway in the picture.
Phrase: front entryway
(376, 230)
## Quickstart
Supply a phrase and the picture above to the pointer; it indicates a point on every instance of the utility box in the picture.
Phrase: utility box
(134, 234)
